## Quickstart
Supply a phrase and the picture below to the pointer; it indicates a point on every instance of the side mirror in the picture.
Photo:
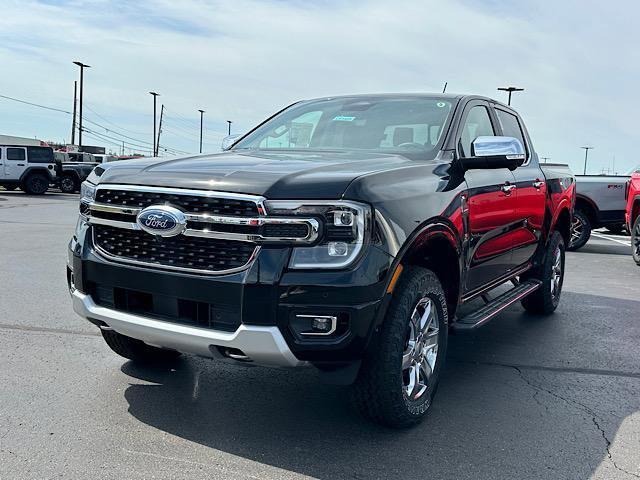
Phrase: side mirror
(228, 141)
(495, 152)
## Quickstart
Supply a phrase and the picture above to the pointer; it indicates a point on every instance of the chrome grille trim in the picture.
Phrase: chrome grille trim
(313, 226)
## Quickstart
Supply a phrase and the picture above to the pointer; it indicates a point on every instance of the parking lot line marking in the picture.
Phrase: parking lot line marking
(26, 328)
(621, 242)
(584, 371)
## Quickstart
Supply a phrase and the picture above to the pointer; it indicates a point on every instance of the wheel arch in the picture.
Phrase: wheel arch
(588, 206)
(32, 170)
(562, 224)
(434, 245)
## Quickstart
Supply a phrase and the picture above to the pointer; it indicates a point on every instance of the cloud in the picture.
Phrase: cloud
(243, 59)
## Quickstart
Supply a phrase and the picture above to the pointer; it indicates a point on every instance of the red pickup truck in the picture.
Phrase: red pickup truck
(632, 213)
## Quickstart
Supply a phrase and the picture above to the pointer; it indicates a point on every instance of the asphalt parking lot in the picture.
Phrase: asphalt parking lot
(524, 398)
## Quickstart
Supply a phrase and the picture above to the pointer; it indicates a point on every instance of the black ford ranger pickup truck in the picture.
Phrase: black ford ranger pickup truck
(344, 233)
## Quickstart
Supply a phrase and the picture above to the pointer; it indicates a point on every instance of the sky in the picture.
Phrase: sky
(242, 60)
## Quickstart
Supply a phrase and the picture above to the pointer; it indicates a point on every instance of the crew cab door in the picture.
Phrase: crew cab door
(491, 203)
(15, 162)
(531, 190)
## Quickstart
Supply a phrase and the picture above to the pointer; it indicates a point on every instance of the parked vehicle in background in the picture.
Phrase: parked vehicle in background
(343, 232)
(82, 157)
(600, 203)
(632, 212)
(70, 173)
(103, 158)
(30, 167)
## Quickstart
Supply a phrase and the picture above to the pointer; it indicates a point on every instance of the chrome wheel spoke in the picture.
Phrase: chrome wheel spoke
(421, 348)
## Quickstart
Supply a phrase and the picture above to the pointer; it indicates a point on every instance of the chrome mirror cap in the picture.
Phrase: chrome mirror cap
(497, 146)
(228, 141)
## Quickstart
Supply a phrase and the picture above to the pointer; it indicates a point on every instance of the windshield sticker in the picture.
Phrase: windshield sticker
(343, 118)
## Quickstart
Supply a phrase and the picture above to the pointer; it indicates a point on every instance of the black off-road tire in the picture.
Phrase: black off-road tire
(69, 184)
(616, 229)
(36, 184)
(635, 241)
(137, 350)
(580, 231)
(545, 299)
(378, 392)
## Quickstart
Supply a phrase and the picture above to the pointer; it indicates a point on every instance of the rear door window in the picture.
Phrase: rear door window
(511, 126)
(15, 154)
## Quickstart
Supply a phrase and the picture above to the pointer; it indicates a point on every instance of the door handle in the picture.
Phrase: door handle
(20, 164)
(538, 184)
(507, 188)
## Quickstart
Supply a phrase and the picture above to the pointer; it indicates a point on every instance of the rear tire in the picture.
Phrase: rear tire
(36, 184)
(399, 377)
(551, 273)
(69, 184)
(580, 230)
(136, 350)
(635, 241)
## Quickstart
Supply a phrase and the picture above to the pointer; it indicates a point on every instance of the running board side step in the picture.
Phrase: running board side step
(494, 307)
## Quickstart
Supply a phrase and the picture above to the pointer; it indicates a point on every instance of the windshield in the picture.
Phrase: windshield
(406, 125)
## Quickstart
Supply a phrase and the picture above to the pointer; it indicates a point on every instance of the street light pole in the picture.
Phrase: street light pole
(82, 67)
(586, 155)
(201, 122)
(155, 96)
(73, 122)
(229, 122)
(510, 90)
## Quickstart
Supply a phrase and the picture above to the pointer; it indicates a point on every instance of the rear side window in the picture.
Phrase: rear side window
(40, 154)
(511, 126)
(15, 154)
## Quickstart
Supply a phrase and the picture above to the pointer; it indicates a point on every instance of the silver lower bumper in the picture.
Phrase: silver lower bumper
(264, 345)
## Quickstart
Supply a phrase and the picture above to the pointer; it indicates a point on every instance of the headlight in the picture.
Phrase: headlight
(87, 192)
(344, 232)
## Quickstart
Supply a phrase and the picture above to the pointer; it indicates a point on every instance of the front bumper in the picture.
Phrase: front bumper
(264, 345)
(262, 300)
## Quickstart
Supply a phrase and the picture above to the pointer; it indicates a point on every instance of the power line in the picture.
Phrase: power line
(36, 104)
(112, 123)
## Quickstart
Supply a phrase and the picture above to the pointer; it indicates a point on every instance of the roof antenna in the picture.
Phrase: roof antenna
(445, 87)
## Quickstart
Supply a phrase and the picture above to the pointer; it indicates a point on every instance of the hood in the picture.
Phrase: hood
(300, 175)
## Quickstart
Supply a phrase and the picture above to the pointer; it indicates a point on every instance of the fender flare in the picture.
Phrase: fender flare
(433, 228)
(31, 170)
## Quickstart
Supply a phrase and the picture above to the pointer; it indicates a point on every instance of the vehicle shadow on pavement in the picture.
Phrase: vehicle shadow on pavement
(508, 407)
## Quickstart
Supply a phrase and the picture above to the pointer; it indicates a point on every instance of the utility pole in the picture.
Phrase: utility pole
(73, 123)
(510, 90)
(82, 67)
(229, 122)
(123, 148)
(586, 156)
(155, 95)
(545, 159)
(157, 145)
(201, 122)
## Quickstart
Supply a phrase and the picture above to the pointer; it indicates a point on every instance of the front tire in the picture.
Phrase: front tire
(399, 378)
(551, 273)
(635, 241)
(36, 184)
(137, 350)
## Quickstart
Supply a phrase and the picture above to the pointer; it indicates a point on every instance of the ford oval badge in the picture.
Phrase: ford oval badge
(162, 220)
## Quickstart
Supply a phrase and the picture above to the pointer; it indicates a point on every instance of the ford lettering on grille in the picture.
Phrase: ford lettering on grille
(162, 220)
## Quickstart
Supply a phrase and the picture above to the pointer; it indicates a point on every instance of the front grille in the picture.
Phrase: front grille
(179, 252)
(164, 307)
(188, 203)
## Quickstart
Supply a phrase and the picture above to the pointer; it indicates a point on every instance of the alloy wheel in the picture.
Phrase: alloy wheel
(556, 273)
(421, 349)
(635, 240)
(577, 227)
